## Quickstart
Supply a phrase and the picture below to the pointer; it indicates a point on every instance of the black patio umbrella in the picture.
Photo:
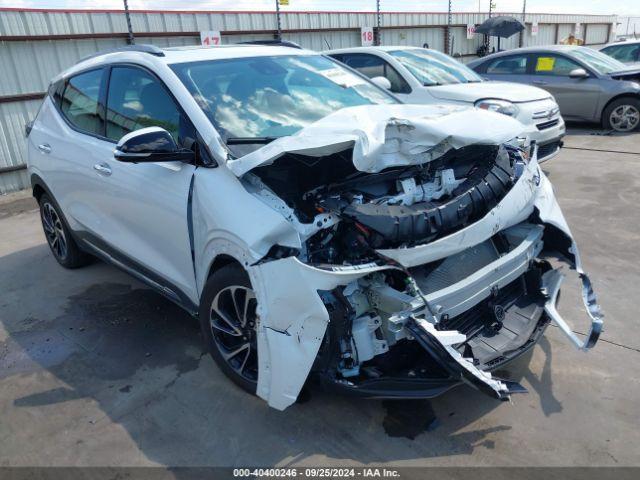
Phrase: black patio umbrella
(502, 27)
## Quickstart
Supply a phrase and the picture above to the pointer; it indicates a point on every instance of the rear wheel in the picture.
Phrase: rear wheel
(62, 245)
(622, 115)
(228, 321)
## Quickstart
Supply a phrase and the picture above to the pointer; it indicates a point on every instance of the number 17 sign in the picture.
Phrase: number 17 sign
(366, 35)
(210, 38)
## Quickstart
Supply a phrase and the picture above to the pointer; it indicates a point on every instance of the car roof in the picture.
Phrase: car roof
(381, 48)
(627, 41)
(536, 49)
(184, 54)
(197, 53)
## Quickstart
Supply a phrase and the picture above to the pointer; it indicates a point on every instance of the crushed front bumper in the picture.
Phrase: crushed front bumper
(294, 319)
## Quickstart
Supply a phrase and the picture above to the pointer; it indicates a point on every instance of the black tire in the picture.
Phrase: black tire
(64, 248)
(224, 337)
(631, 106)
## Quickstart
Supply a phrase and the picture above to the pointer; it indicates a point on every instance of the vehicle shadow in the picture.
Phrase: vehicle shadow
(582, 128)
(140, 359)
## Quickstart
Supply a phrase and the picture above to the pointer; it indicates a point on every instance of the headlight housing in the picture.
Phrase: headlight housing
(501, 106)
(521, 148)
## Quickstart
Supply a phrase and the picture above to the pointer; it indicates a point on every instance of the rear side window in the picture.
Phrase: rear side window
(79, 103)
(624, 53)
(373, 66)
(136, 99)
(509, 65)
(554, 65)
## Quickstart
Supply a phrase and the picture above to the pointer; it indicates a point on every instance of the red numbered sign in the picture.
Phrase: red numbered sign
(534, 29)
(471, 30)
(210, 39)
(366, 35)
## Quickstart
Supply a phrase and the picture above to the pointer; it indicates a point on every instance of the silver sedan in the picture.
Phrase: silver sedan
(587, 85)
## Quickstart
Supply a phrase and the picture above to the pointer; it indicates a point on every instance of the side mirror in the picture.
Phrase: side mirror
(151, 144)
(382, 82)
(578, 73)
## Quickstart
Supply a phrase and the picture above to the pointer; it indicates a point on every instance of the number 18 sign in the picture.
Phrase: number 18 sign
(210, 38)
(366, 35)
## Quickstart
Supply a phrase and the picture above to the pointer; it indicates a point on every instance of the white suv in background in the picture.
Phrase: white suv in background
(419, 75)
(317, 227)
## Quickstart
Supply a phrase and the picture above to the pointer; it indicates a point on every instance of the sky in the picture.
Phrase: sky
(607, 7)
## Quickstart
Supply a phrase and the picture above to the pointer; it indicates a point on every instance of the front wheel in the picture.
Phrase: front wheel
(622, 115)
(228, 322)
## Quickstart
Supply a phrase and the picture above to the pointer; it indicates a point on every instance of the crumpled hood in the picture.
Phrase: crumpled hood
(472, 92)
(632, 72)
(384, 136)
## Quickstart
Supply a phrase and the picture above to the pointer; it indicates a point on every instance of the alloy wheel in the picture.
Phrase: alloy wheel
(624, 118)
(233, 325)
(54, 231)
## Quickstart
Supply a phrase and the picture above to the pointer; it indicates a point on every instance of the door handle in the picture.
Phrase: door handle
(44, 148)
(539, 82)
(102, 169)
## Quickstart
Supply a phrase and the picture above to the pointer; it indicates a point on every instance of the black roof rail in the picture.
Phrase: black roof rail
(150, 49)
(272, 43)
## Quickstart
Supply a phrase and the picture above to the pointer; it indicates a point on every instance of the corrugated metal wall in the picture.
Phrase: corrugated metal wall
(36, 45)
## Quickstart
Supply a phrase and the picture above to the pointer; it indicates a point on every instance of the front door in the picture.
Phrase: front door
(146, 211)
(576, 97)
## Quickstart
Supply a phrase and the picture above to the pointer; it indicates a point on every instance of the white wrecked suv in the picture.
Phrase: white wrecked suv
(318, 228)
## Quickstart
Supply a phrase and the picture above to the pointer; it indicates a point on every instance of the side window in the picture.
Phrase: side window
(79, 102)
(624, 53)
(372, 66)
(136, 100)
(510, 65)
(553, 65)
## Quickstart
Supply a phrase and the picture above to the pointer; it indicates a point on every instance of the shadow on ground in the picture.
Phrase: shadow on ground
(140, 359)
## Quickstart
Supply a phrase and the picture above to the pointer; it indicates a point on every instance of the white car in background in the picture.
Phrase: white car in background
(420, 75)
(626, 51)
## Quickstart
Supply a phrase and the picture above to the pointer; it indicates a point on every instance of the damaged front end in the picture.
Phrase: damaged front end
(411, 276)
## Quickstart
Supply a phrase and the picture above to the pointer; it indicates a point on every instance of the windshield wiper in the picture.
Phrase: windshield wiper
(250, 140)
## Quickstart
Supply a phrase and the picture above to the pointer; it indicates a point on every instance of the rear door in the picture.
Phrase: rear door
(68, 139)
(577, 97)
(512, 68)
(146, 204)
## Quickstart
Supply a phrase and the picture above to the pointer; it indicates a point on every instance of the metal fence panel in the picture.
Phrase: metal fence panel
(415, 37)
(463, 46)
(13, 181)
(87, 22)
(597, 34)
(546, 35)
(29, 64)
(13, 117)
(564, 30)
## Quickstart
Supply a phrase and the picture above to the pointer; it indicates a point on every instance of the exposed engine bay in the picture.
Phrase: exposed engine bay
(345, 214)
(419, 264)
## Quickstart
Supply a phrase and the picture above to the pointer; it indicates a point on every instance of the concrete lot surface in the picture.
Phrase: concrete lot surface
(95, 369)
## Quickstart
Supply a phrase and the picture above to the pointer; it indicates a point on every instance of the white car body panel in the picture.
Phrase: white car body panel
(143, 209)
(472, 92)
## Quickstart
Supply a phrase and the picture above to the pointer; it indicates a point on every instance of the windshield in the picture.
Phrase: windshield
(598, 61)
(434, 68)
(269, 97)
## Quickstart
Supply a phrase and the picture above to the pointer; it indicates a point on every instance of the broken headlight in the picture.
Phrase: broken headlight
(500, 106)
